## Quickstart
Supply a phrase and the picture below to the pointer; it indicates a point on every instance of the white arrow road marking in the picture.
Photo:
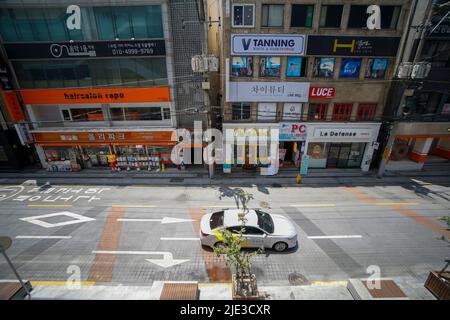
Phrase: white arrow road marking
(166, 262)
(164, 220)
(336, 237)
(76, 218)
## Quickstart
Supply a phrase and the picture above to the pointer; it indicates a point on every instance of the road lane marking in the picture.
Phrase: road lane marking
(75, 218)
(396, 203)
(336, 237)
(51, 205)
(62, 283)
(43, 237)
(179, 239)
(312, 205)
(164, 220)
(133, 206)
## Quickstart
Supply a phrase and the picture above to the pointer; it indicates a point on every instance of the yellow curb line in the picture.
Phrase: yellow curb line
(396, 203)
(62, 283)
(210, 284)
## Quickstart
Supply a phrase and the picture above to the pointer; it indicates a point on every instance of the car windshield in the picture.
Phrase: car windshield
(216, 220)
(265, 221)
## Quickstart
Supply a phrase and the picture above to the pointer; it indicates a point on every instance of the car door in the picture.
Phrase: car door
(254, 237)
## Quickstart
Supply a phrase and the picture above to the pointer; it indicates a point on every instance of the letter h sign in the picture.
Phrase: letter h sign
(344, 45)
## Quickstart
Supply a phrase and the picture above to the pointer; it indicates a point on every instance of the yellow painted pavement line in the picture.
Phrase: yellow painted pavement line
(133, 206)
(51, 205)
(62, 283)
(329, 283)
(396, 203)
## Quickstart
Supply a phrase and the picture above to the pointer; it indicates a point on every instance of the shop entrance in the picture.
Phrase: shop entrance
(345, 155)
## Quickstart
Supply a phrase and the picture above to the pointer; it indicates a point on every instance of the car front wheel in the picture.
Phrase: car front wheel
(280, 246)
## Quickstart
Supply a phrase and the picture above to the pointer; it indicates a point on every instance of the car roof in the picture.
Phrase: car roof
(231, 218)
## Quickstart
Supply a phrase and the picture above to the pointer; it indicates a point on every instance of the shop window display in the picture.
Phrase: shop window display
(317, 152)
(141, 157)
(63, 159)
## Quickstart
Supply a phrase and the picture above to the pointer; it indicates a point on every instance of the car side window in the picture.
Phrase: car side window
(234, 229)
(253, 231)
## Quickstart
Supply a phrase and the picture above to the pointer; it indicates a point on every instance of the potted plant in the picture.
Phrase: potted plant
(244, 285)
(438, 282)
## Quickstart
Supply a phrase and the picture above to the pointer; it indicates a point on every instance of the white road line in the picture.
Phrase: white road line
(336, 237)
(43, 237)
(179, 239)
(133, 206)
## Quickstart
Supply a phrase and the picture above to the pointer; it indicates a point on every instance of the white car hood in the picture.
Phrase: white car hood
(283, 226)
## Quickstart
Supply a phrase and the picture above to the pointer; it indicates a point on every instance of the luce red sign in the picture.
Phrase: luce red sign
(321, 92)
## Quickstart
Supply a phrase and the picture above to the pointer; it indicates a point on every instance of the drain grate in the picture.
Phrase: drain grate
(297, 279)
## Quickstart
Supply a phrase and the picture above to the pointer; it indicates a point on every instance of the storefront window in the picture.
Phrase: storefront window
(356, 154)
(350, 68)
(270, 66)
(342, 111)
(242, 67)
(318, 111)
(317, 152)
(86, 114)
(376, 68)
(323, 67)
(296, 67)
(139, 113)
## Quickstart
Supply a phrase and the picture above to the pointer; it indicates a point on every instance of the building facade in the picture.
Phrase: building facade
(312, 66)
(117, 84)
(417, 114)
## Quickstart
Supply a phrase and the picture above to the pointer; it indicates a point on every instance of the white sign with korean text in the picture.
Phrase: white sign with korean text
(268, 44)
(268, 91)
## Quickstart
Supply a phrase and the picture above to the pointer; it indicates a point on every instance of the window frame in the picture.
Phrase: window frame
(322, 106)
(321, 12)
(268, 17)
(363, 114)
(243, 5)
(305, 5)
(241, 106)
(339, 116)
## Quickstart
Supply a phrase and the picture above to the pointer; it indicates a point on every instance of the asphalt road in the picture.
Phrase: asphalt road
(127, 235)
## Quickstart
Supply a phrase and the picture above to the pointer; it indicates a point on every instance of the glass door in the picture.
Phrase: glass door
(333, 155)
(344, 152)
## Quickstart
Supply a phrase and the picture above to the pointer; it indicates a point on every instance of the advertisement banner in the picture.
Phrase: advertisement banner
(268, 44)
(268, 91)
(95, 95)
(292, 131)
(85, 49)
(353, 46)
(13, 105)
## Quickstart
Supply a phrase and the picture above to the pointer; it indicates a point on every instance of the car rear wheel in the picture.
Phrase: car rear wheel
(219, 244)
(280, 246)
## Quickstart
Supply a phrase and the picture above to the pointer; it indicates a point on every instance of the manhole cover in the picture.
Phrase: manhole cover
(264, 204)
(297, 279)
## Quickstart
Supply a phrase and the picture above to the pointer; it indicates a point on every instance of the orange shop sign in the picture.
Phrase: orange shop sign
(12, 104)
(96, 138)
(95, 95)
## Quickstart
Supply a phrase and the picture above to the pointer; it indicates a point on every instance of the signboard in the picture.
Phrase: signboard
(5, 77)
(292, 111)
(342, 133)
(23, 132)
(115, 137)
(13, 105)
(292, 131)
(85, 49)
(442, 30)
(95, 95)
(353, 46)
(268, 44)
(321, 92)
(268, 91)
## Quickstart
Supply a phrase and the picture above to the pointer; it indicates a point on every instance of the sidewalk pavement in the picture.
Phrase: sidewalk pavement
(199, 177)
(334, 290)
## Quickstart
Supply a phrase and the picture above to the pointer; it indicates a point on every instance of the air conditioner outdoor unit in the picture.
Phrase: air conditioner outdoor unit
(420, 70)
(404, 70)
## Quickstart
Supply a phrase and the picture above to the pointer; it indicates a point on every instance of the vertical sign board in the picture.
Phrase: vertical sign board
(13, 106)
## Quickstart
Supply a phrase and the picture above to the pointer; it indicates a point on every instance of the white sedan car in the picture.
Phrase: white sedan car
(261, 229)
